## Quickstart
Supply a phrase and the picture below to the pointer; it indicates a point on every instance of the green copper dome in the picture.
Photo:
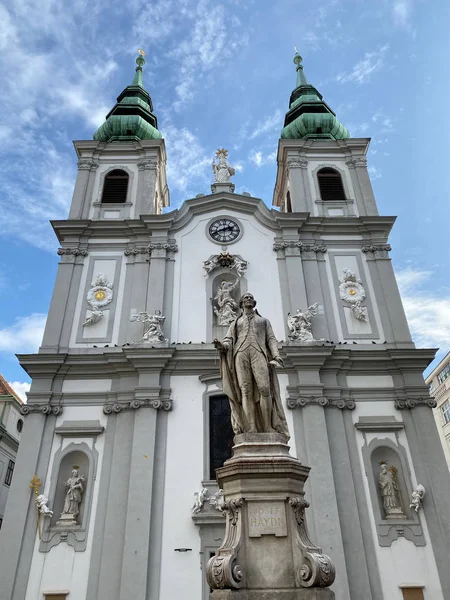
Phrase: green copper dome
(132, 117)
(309, 116)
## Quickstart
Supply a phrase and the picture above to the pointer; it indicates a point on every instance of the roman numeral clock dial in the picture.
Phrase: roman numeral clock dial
(224, 230)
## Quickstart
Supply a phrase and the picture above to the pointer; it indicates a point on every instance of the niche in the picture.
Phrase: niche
(74, 460)
(390, 483)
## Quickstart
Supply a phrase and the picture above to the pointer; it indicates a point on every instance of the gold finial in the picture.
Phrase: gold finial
(141, 52)
(35, 484)
(221, 152)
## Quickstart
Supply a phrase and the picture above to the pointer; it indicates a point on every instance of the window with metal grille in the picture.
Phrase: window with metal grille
(445, 408)
(115, 187)
(442, 375)
(330, 184)
(220, 433)
(9, 473)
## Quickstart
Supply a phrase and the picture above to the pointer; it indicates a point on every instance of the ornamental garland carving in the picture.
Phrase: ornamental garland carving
(409, 403)
(147, 164)
(156, 403)
(302, 401)
(317, 569)
(98, 297)
(86, 164)
(377, 250)
(226, 260)
(156, 250)
(352, 163)
(45, 409)
(72, 255)
(295, 163)
(309, 251)
(351, 290)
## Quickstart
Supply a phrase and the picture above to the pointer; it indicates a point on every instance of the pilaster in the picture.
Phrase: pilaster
(297, 176)
(82, 193)
(365, 199)
(148, 170)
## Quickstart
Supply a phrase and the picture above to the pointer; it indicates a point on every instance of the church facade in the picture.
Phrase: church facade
(126, 419)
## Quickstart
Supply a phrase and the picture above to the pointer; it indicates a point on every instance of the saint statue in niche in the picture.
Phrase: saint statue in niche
(225, 305)
(249, 355)
(74, 487)
(390, 493)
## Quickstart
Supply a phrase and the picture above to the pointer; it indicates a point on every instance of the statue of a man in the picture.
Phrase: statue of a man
(389, 493)
(74, 490)
(249, 355)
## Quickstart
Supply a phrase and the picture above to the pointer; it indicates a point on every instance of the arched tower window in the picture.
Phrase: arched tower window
(115, 187)
(330, 184)
(288, 202)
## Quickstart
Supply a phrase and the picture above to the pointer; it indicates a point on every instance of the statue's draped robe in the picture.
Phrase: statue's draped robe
(268, 344)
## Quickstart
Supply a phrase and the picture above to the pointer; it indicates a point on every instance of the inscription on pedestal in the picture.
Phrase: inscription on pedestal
(266, 518)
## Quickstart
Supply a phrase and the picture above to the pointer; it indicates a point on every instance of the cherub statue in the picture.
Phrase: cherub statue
(200, 499)
(41, 504)
(222, 170)
(417, 497)
(300, 324)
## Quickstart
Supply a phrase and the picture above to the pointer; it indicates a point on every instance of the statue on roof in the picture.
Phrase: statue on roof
(222, 170)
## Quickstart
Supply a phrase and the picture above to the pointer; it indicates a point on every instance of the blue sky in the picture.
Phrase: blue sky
(220, 74)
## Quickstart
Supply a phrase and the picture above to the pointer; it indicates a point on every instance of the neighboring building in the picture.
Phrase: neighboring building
(439, 385)
(145, 424)
(11, 423)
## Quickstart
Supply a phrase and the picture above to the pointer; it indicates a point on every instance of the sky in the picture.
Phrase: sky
(220, 74)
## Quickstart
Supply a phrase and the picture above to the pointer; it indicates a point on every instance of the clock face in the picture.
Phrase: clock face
(224, 230)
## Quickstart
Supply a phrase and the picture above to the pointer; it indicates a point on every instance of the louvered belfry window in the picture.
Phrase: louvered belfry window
(115, 187)
(220, 433)
(330, 185)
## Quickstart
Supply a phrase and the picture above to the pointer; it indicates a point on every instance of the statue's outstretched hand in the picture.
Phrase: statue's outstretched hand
(219, 346)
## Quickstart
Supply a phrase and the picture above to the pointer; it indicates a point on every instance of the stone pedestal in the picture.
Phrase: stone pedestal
(221, 188)
(66, 520)
(266, 553)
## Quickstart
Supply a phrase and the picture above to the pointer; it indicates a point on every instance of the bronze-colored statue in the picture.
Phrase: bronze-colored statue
(249, 355)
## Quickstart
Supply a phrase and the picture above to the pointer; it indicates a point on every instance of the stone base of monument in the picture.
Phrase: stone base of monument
(266, 552)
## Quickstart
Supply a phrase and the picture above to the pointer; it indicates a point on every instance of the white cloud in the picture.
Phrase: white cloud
(402, 10)
(374, 173)
(427, 310)
(21, 388)
(268, 124)
(259, 159)
(366, 67)
(24, 335)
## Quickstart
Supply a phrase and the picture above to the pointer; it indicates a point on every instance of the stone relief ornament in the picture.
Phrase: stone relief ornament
(417, 497)
(351, 290)
(217, 501)
(200, 499)
(227, 260)
(317, 569)
(99, 296)
(153, 333)
(41, 505)
(222, 572)
(390, 493)
(222, 170)
(75, 487)
(224, 305)
(300, 326)
(45, 409)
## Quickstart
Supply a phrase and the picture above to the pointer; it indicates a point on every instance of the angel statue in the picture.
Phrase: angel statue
(153, 329)
(300, 324)
(41, 504)
(225, 305)
(222, 170)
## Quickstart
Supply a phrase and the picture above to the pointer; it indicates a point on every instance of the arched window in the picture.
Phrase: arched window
(330, 184)
(220, 433)
(115, 187)
(288, 202)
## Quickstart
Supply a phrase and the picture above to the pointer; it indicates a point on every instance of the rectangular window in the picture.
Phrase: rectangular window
(446, 411)
(431, 388)
(220, 433)
(412, 593)
(442, 376)
(9, 473)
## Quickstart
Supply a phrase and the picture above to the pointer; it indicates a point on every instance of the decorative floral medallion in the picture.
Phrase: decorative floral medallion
(99, 296)
(350, 288)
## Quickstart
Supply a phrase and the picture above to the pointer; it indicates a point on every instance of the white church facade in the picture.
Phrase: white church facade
(126, 389)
